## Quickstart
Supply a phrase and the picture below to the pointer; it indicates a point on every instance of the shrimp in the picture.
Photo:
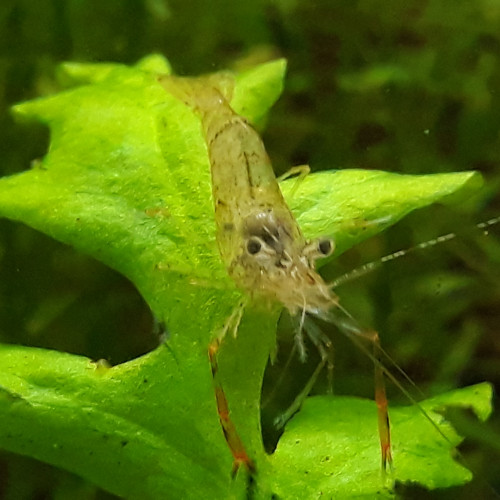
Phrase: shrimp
(260, 242)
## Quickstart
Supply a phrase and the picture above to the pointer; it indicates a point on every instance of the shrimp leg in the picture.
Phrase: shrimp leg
(351, 328)
(325, 349)
(384, 430)
(240, 456)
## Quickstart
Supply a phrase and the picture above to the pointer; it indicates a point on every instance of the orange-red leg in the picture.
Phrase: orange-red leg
(382, 405)
(347, 324)
(240, 456)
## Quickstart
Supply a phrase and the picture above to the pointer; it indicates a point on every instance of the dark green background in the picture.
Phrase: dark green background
(411, 87)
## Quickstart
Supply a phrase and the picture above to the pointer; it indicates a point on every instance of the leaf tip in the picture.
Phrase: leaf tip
(154, 63)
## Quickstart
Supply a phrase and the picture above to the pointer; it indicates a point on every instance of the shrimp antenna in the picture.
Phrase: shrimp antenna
(371, 266)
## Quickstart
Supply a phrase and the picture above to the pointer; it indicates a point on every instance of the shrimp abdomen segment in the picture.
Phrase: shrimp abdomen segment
(241, 169)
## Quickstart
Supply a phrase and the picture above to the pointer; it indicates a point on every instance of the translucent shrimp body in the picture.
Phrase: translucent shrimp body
(259, 240)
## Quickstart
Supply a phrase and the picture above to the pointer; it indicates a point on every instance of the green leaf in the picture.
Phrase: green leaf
(138, 429)
(329, 434)
(105, 424)
(353, 205)
(127, 181)
(257, 90)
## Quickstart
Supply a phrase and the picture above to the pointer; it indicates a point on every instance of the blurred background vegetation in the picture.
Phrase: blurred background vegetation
(410, 87)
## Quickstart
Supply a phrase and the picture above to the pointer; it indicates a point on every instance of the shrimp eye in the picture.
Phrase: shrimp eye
(254, 246)
(325, 246)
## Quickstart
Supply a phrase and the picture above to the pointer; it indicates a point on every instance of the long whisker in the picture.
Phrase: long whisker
(371, 266)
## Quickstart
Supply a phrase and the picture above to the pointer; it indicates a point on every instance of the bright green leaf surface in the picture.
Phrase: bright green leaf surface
(127, 181)
(352, 205)
(329, 434)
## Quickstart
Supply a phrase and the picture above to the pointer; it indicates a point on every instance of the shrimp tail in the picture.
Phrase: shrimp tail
(201, 93)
